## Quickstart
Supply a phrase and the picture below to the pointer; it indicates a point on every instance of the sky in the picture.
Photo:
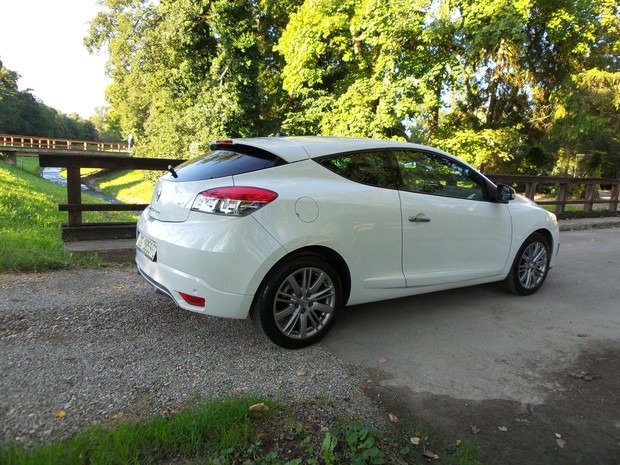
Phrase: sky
(42, 41)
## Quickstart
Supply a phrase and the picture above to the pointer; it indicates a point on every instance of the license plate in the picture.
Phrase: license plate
(147, 247)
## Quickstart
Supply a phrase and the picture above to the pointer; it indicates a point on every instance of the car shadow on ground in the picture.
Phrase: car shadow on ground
(578, 423)
(573, 418)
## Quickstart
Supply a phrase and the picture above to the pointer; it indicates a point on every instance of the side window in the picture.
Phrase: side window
(431, 173)
(372, 168)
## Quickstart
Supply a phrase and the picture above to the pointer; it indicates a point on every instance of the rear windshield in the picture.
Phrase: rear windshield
(222, 163)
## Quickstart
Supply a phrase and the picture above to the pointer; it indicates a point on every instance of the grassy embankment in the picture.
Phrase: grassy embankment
(220, 431)
(30, 220)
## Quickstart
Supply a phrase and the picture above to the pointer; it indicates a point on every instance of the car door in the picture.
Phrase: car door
(451, 232)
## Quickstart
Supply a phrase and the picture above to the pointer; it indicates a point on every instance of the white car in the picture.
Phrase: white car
(289, 230)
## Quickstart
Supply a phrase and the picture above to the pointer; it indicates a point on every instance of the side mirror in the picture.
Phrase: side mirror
(505, 193)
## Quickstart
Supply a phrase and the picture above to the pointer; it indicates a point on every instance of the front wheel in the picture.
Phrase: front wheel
(530, 267)
(298, 302)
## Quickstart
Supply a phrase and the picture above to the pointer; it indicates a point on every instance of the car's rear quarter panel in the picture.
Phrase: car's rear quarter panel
(361, 223)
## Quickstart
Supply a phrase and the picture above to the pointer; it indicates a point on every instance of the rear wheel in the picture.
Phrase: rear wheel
(298, 302)
(530, 267)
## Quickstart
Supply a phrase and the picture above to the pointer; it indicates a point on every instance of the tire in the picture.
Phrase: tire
(530, 267)
(297, 303)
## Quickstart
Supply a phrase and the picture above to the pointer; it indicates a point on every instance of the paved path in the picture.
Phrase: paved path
(483, 343)
(530, 379)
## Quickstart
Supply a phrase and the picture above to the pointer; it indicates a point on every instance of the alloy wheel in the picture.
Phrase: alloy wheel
(533, 265)
(305, 302)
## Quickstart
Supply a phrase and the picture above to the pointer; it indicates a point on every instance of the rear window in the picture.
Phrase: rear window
(222, 163)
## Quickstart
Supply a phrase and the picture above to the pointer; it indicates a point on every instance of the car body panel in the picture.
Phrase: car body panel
(343, 224)
(172, 201)
(529, 218)
(218, 257)
(224, 259)
(461, 240)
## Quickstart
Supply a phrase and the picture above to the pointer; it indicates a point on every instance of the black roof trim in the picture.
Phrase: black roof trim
(248, 150)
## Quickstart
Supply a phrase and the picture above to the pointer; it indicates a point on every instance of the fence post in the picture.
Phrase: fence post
(589, 197)
(613, 199)
(530, 190)
(562, 194)
(74, 195)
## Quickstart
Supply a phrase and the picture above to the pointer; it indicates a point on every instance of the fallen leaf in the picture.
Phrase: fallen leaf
(382, 360)
(561, 442)
(301, 373)
(475, 429)
(366, 385)
(400, 461)
(415, 441)
(59, 414)
(259, 407)
(502, 428)
(458, 443)
(429, 455)
(393, 418)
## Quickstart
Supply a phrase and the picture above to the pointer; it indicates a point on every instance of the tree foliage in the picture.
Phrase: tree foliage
(508, 85)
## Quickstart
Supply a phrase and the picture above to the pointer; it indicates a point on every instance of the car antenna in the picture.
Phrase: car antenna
(281, 134)
(172, 171)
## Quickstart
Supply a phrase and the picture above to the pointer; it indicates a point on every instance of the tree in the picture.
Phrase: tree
(189, 71)
(107, 124)
(511, 85)
(360, 68)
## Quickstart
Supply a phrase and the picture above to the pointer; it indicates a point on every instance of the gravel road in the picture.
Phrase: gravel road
(101, 345)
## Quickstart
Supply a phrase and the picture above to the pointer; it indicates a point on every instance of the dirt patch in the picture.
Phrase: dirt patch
(579, 423)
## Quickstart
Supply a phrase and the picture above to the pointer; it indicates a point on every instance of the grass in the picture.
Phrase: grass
(128, 186)
(30, 164)
(231, 431)
(30, 220)
(214, 430)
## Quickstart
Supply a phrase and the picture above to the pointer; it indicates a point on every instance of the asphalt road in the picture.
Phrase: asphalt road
(482, 343)
(529, 379)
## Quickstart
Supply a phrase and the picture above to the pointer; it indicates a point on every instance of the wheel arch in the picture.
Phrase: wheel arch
(327, 254)
(548, 236)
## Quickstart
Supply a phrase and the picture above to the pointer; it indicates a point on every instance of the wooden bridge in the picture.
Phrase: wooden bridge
(33, 146)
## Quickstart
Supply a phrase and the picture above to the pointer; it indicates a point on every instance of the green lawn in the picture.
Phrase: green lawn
(129, 186)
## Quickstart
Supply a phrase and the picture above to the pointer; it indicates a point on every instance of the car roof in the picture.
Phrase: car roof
(297, 148)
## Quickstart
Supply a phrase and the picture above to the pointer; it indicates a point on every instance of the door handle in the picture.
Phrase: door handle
(420, 218)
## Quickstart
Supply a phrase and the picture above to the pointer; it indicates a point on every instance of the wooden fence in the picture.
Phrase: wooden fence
(587, 197)
(8, 141)
(75, 229)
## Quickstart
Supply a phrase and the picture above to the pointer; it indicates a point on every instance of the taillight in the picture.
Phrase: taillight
(235, 201)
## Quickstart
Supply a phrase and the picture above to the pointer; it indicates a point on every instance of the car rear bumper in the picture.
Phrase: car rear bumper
(223, 260)
(171, 282)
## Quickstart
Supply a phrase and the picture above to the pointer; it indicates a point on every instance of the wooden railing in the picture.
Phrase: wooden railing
(8, 141)
(76, 229)
(529, 186)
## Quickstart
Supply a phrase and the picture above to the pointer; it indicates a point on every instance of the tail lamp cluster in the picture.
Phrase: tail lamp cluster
(233, 201)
